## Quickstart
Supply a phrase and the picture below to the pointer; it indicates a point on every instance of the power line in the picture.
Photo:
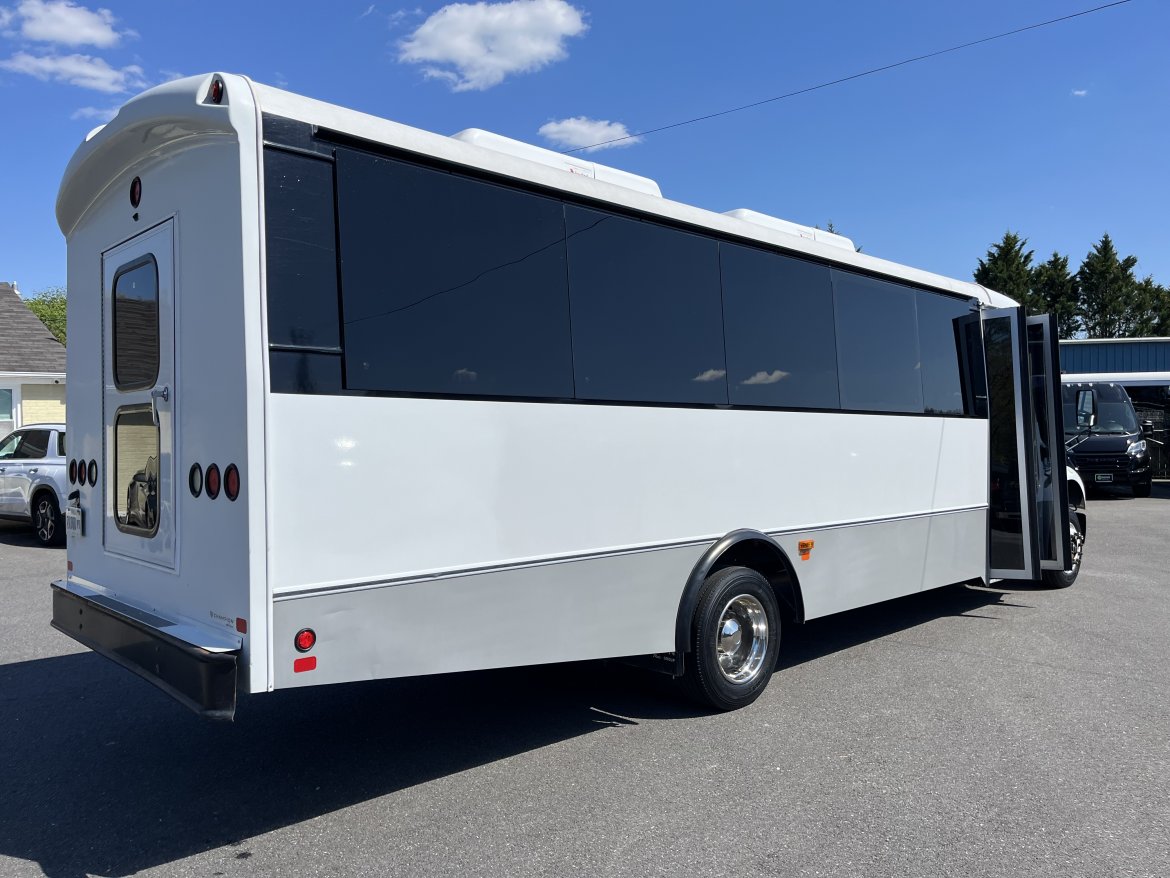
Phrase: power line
(882, 69)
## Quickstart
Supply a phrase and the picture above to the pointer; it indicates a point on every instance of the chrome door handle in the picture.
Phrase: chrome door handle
(163, 393)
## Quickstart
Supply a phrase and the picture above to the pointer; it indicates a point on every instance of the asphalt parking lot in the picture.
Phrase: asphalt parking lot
(956, 733)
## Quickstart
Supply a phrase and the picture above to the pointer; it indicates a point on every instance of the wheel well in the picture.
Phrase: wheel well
(37, 494)
(743, 548)
(1075, 497)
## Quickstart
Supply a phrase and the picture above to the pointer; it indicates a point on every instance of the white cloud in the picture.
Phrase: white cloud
(486, 42)
(397, 17)
(709, 375)
(592, 134)
(102, 114)
(5, 17)
(766, 377)
(66, 23)
(1080, 92)
(80, 70)
(368, 11)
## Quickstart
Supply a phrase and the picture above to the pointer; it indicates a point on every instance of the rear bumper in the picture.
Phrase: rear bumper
(202, 678)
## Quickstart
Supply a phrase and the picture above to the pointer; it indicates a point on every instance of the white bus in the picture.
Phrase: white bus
(350, 400)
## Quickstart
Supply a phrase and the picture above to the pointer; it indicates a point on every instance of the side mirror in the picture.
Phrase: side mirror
(1086, 408)
(1147, 428)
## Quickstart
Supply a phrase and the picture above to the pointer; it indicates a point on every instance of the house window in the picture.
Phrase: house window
(7, 422)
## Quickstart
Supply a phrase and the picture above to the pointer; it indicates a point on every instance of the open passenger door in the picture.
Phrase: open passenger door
(1029, 527)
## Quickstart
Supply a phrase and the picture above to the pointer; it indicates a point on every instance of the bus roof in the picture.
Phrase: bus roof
(177, 109)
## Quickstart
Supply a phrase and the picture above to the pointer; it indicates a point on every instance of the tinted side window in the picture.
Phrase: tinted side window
(35, 445)
(450, 285)
(877, 344)
(647, 317)
(136, 338)
(301, 250)
(778, 320)
(940, 325)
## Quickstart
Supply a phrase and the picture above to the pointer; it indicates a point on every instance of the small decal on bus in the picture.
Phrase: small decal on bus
(805, 547)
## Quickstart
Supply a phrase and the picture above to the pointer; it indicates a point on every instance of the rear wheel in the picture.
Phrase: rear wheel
(47, 520)
(1076, 539)
(735, 638)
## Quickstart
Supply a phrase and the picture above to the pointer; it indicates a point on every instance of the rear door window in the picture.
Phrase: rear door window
(136, 330)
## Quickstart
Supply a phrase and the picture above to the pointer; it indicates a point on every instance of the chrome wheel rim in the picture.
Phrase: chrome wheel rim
(46, 525)
(741, 639)
(1078, 545)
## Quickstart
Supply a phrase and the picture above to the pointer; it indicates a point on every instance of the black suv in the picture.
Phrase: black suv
(1105, 442)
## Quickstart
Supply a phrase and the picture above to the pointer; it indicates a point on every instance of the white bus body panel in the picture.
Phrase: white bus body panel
(199, 170)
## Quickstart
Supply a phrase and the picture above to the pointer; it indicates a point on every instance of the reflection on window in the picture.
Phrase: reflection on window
(647, 321)
(6, 420)
(35, 445)
(778, 313)
(450, 284)
(136, 460)
(136, 333)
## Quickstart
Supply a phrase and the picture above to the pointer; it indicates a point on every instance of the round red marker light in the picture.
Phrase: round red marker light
(73, 472)
(305, 640)
(212, 482)
(136, 192)
(215, 93)
(231, 482)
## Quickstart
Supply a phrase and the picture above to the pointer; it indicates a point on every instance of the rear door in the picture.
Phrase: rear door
(138, 400)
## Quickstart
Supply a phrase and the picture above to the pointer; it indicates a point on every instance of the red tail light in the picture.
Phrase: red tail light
(231, 482)
(73, 472)
(212, 481)
(305, 640)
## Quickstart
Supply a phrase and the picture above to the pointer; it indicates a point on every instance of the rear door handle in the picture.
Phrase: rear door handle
(163, 393)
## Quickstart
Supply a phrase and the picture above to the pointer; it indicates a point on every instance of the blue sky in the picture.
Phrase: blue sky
(1059, 134)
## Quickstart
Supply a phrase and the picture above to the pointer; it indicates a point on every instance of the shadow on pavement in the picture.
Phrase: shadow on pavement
(16, 533)
(107, 776)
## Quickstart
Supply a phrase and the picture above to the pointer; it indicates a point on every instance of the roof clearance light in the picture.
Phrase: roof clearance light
(195, 480)
(231, 482)
(136, 192)
(213, 481)
(215, 93)
(305, 640)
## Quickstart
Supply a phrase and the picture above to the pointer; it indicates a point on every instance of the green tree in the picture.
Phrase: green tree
(1151, 309)
(1058, 288)
(1108, 292)
(1007, 269)
(49, 305)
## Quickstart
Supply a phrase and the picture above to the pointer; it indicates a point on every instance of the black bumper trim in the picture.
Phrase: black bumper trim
(203, 680)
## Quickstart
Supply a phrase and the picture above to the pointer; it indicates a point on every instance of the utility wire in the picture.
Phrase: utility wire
(902, 63)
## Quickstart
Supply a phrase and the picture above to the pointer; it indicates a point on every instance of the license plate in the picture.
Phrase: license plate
(1103, 477)
(74, 521)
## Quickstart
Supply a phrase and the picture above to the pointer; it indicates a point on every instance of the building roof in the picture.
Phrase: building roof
(26, 345)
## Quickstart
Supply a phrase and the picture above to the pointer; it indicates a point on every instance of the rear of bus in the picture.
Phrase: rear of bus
(165, 512)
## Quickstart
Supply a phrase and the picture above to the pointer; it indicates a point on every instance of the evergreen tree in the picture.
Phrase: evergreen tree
(1008, 270)
(1108, 291)
(1057, 287)
(1151, 309)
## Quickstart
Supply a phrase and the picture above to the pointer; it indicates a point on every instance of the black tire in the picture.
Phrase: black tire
(47, 521)
(1143, 489)
(732, 600)
(1065, 578)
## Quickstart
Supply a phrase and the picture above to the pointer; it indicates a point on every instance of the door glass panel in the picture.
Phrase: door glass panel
(136, 450)
(1007, 535)
(1043, 456)
(8, 446)
(136, 341)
